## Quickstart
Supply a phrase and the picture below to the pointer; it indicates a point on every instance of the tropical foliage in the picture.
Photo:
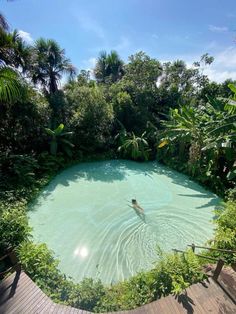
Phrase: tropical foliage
(225, 235)
(172, 274)
(58, 137)
(10, 86)
(48, 64)
(207, 134)
(109, 67)
(139, 110)
(134, 147)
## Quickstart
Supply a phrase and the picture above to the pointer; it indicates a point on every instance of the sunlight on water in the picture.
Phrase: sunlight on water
(84, 216)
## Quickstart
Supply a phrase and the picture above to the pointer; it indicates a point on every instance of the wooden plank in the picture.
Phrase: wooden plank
(150, 308)
(41, 306)
(222, 300)
(62, 309)
(227, 280)
(206, 297)
(8, 281)
(77, 311)
(56, 308)
(26, 294)
(30, 299)
(72, 310)
(192, 303)
(8, 301)
(158, 306)
(31, 303)
(170, 304)
(40, 303)
(27, 300)
(47, 309)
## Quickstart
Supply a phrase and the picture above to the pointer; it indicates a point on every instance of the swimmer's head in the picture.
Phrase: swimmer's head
(134, 201)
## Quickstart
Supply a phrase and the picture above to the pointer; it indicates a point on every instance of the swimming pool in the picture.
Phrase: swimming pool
(84, 216)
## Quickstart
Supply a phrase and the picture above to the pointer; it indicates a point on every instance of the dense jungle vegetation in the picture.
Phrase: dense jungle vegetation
(139, 110)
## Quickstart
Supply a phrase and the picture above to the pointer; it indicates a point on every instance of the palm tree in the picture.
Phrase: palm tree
(3, 23)
(49, 63)
(100, 70)
(14, 52)
(5, 39)
(115, 66)
(10, 81)
(109, 67)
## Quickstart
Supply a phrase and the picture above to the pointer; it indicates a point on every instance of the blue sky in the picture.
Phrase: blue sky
(164, 29)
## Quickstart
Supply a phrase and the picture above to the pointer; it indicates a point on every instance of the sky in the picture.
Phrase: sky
(164, 29)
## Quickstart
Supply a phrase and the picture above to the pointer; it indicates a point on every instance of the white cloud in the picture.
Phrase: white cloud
(91, 25)
(227, 57)
(218, 29)
(223, 67)
(218, 75)
(92, 62)
(89, 64)
(25, 36)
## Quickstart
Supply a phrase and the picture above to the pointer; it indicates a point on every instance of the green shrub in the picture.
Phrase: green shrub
(18, 169)
(49, 163)
(14, 228)
(225, 234)
(90, 293)
(172, 274)
(42, 267)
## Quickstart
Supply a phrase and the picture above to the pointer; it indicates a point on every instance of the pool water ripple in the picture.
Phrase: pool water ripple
(84, 217)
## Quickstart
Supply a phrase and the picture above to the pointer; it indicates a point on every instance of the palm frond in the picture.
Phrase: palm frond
(10, 85)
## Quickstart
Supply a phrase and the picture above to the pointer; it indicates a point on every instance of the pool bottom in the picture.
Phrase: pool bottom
(84, 216)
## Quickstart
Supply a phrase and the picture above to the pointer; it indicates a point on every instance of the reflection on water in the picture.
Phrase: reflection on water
(81, 252)
(85, 216)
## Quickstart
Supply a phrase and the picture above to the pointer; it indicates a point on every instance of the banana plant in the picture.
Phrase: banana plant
(58, 138)
(231, 105)
(135, 147)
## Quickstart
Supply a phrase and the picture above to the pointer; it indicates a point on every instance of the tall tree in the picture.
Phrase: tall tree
(49, 63)
(10, 81)
(109, 67)
(3, 23)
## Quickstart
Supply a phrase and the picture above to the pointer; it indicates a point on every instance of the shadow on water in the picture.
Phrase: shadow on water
(118, 170)
(212, 202)
(97, 171)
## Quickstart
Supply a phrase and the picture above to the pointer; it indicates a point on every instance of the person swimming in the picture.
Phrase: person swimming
(136, 206)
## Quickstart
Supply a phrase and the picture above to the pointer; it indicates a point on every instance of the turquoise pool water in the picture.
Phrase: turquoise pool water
(84, 217)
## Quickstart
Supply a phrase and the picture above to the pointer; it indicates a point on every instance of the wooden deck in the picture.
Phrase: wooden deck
(20, 295)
